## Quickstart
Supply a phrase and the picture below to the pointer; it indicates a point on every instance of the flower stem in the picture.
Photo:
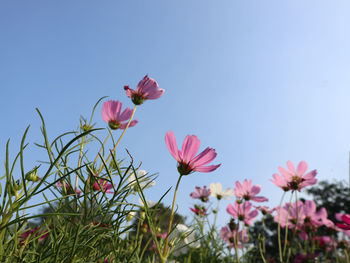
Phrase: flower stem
(121, 136)
(279, 229)
(165, 252)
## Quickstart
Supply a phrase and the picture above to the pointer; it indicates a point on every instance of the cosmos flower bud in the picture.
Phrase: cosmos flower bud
(32, 175)
(130, 216)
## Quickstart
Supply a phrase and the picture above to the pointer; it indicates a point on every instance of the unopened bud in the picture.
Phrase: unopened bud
(144, 228)
(142, 215)
(130, 216)
(32, 175)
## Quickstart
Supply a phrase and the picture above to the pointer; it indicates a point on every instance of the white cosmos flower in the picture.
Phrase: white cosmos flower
(145, 182)
(149, 203)
(185, 238)
(216, 191)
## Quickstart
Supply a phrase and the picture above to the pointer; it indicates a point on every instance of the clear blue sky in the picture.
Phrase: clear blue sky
(263, 82)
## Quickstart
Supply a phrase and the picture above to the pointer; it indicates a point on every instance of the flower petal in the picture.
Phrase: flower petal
(170, 141)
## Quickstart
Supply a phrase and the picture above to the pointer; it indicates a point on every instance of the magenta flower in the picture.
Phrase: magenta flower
(187, 160)
(35, 232)
(303, 217)
(248, 192)
(202, 194)
(199, 210)
(294, 179)
(105, 186)
(302, 258)
(66, 188)
(242, 212)
(265, 209)
(230, 236)
(113, 115)
(147, 89)
(346, 222)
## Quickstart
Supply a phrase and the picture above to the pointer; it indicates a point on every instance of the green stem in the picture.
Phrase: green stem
(286, 231)
(79, 162)
(279, 229)
(102, 146)
(165, 252)
(121, 136)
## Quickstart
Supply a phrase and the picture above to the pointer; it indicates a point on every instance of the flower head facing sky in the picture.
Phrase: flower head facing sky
(113, 115)
(201, 193)
(242, 212)
(147, 89)
(248, 192)
(218, 193)
(187, 160)
(294, 179)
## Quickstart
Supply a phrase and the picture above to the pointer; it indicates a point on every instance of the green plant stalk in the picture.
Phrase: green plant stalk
(236, 244)
(165, 252)
(279, 230)
(121, 136)
(286, 231)
(79, 162)
(102, 146)
(346, 255)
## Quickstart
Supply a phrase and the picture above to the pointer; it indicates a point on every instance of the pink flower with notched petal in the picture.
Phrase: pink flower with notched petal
(248, 192)
(187, 160)
(201, 193)
(147, 89)
(295, 179)
(66, 188)
(199, 210)
(113, 115)
(265, 209)
(242, 212)
(346, 221)
(230, 236)
(105, 186)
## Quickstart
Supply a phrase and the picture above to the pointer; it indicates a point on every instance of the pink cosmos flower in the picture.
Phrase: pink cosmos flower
(242, 212)
(105, 186)
(113, 115)
(147, 89)
(199, 210)
(35, 232)
(187, 160)
(346, 221)
(265, 209)
(248, 192)
(66, 188)
(230, 236)
(303, 216)
(325, 242)
(294, 179)
(202, 194)
(301, 258)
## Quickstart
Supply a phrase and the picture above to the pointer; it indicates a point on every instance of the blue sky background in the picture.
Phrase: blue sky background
(262, 82)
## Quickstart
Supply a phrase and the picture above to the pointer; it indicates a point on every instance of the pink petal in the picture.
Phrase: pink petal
(256, 189)
(206, 169)
(129, 92)
(259, 199)
(125, 116)
(290, 167)
(204, 157)
(346, 219)
(132, 124)
(190, 147)
(302, 167)
(155, 94)
(231, 210)
(170, 141)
